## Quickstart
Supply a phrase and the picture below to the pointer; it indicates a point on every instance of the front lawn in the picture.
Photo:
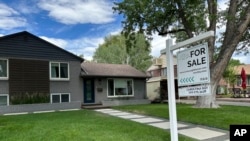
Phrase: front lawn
(82, 125)
(220, 118)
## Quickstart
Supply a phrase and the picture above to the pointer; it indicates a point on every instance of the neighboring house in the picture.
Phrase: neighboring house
(225, 87)
(157, 84)
(113, 84)
(33, 70)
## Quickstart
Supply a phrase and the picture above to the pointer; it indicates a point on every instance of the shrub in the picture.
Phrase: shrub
(29, 98)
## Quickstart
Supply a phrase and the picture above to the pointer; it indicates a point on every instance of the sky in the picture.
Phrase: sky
(77, 26)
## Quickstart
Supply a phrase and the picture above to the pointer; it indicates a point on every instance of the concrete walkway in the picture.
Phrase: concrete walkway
(196, 132)
(222, 101)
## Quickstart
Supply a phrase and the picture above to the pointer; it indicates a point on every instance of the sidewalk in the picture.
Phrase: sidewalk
(221, 101)
(197, 132)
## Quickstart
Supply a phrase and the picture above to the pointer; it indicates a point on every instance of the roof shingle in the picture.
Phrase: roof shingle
(239, 68)
(110, 70)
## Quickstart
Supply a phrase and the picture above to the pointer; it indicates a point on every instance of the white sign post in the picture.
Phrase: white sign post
(170, 76)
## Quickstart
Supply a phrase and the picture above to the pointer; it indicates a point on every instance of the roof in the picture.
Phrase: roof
(110, 70)
(38, 47)
(239, 68)
(163, 58)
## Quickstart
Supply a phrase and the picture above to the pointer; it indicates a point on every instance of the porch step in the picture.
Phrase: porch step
(94, 106)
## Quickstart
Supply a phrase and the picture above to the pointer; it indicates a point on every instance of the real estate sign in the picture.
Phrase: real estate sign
(197, 90)
(193, 70)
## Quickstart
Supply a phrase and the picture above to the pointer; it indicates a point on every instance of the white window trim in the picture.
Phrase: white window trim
(8, 100)
(59, 97)
(114, 88)
(59, 79)
(5, 78)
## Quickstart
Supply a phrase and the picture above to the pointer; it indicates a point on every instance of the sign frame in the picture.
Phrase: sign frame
(170, 76)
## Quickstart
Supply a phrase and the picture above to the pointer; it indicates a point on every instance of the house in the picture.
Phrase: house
(36, 75)
(113, 84)
(33, 71)
(225, 87)
(157, 84)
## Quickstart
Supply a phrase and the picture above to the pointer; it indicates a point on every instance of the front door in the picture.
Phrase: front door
(89, 92)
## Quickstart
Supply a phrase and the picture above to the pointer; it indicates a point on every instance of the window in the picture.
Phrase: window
(59, 71)
(60, 97)
(164, 72)
(4, 99)
(120, 87)
(238, 81)
(3, 68)
(248, 80)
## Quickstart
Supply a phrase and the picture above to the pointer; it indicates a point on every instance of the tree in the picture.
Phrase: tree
(186, 18)
(230, 74)
(114, 50)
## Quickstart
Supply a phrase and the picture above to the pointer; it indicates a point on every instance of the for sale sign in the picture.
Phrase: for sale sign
(193, 66)
(197, 90)
(193, 69)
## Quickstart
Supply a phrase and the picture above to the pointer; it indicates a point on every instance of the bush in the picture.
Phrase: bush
(29, 98)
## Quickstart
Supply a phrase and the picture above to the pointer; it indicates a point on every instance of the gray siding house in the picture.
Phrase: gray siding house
(113, 84)
(33, 71)
(36, 75)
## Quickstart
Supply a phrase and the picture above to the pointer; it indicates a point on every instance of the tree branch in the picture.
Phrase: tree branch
(169, 32)
(244, 21)
(233, 35)
(212, 10)
(182, 16)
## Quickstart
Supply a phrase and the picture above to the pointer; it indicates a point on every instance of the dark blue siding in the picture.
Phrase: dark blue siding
(27, 46)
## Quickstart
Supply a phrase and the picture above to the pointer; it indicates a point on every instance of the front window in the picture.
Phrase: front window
(3, 68)
(120, 87)
(60, 97)
(4, 99)
(59, 71)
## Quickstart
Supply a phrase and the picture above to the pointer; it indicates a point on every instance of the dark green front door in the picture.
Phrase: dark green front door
(89, 93)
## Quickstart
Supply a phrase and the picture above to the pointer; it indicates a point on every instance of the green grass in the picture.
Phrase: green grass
(219, 118)
(82, 125)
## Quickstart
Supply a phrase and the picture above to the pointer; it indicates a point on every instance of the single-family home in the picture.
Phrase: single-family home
(36, 75)
(113, 84)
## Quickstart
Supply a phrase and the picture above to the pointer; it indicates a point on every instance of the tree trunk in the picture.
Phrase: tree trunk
(233, 35)
(208, 101)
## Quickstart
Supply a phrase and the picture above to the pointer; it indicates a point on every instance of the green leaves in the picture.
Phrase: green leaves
(230, 74)
(149, 16)
(118, 50)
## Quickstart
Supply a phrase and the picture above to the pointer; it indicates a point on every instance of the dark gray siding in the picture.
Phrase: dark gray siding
(74, 86)
(101, 95)
(28, 76)
(26, 45)
(140, 88)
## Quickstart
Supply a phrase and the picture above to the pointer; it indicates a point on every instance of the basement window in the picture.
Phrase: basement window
(59, 97)
(4, 99)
